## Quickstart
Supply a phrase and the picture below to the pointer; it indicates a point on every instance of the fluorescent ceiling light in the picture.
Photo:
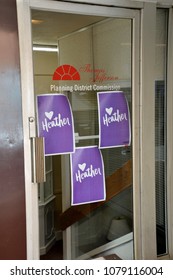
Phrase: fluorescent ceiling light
(45, 48)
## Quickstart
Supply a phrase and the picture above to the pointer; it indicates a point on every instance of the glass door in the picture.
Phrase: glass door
(80, 53)
(92, 54)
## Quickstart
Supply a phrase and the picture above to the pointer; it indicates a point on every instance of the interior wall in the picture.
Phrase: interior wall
(45, 64)
(12, 190)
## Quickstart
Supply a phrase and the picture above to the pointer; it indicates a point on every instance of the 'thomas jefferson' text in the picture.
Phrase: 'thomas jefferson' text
(56, 122)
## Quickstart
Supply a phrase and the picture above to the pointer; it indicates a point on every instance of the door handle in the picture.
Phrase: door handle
(38, 160)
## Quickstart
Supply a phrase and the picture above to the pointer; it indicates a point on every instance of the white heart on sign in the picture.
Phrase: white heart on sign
(49, 114)
(109, 110)
(82, 166)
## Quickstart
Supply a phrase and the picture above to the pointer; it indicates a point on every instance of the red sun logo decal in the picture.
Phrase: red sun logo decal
(66, 73)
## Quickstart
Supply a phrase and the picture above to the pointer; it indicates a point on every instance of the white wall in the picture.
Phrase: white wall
(45, 64)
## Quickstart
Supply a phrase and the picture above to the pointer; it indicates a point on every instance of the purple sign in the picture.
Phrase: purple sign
(87, 175)
(55, 123)
(114, 120)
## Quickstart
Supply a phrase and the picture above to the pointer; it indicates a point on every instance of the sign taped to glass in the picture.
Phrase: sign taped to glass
(114, 120)
(87, 176)
(55, 123)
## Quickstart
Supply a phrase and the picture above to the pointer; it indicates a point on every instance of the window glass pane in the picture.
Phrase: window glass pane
(101, 50)
(111, 43)
(161, 131)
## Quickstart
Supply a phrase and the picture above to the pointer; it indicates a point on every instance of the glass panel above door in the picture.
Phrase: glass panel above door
(92, 54)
